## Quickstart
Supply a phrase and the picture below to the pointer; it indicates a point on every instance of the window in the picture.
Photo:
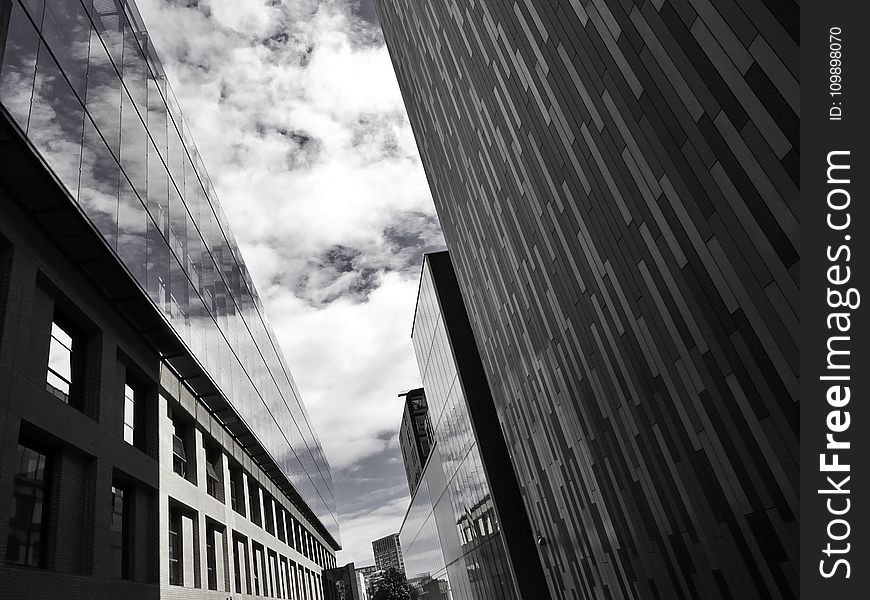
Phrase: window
(28, 524)
(213, 472)
(119, 533)
(237, 485)
(129, 414)
(257, 567)
(254, 498)
(240, 562)
(211, 557)
(179, 453)
(279, 519)
(59, 377)
(175, 564)
(269, 515)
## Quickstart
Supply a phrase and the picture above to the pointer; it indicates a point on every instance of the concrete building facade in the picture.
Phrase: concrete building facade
(617, 183)
(154, 443)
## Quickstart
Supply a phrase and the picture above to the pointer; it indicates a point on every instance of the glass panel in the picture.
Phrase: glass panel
(107, 19)
(66, 29)
(158, 268)
(98, 185)
(134, 144)
(135, 70)
(19, 42)
(56, 120)
(133, 226)
(104, 96)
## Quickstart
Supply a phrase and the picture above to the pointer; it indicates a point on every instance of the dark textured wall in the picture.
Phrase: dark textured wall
(616, 181)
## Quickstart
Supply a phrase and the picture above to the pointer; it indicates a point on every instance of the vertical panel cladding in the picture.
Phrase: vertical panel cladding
(617, 183)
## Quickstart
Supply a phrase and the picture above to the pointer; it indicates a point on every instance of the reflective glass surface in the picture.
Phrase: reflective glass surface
(82, 80)
(451, 537)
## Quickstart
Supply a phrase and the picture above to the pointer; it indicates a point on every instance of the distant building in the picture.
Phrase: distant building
(388, 553)
(415, 436)
(366, 573)
(466, 535)
(344, 583)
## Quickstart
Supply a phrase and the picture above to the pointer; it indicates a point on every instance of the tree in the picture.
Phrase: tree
(392, 586)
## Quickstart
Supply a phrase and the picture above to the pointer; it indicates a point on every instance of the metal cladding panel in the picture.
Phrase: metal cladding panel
(617, 184)
(83, 82)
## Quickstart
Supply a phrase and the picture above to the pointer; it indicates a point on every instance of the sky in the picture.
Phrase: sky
(296, 112)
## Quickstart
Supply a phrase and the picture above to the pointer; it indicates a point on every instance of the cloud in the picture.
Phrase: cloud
(296, 112)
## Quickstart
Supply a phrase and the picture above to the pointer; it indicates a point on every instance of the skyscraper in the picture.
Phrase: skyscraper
(415, 436)
(154, 440)
(617, 185)
(465, 530)
(388, 553)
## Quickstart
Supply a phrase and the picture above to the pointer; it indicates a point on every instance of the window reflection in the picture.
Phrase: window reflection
(134, 142)
(56, 120)
(103, 99)
(133, 223)
(66, 29)
(108, 21)
(20, 42)
(98, 184)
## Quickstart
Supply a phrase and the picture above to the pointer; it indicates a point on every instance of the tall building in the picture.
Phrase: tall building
(415, 436)
(388, 553)
(465, 535)
(154, 442)
(366, 573)
(617, 183)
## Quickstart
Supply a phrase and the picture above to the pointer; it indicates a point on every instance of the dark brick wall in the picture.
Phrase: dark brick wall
(617, 184)
(85, 444)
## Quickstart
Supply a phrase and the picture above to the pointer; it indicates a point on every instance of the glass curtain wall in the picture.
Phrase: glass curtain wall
(451, 536)
(83, 82)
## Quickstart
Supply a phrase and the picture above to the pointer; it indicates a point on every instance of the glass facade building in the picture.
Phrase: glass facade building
(83, 83)
(452, 533)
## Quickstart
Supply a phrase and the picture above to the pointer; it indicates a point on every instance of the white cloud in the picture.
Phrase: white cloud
(350, 360)
(296, 112)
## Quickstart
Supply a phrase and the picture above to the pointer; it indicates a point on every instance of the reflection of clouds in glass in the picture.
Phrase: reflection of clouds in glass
(55, 125)
(19, 63)
(98, 184)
